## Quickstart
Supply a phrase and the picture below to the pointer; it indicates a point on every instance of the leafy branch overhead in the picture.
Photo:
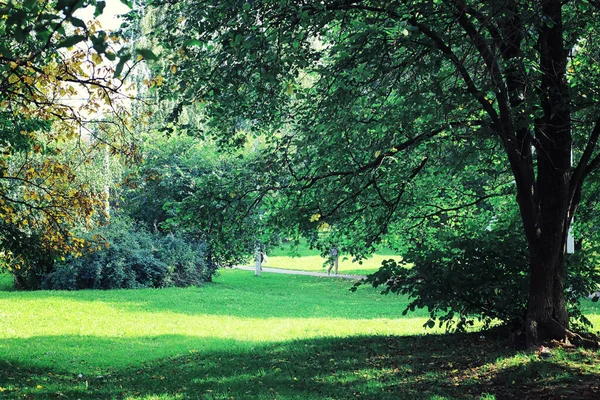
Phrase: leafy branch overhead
(354, 95)
(59, 105)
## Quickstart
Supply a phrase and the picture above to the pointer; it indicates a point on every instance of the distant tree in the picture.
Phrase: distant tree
(186, 186)
(366, 101)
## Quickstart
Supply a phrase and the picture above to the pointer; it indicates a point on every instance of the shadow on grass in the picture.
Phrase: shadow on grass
(373, 367)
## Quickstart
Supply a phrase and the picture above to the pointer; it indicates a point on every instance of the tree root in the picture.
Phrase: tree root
(580, 341)
(552, 329)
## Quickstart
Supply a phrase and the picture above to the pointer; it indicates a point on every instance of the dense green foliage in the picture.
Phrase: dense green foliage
(384, 121)
(126, 255)
(186, 186)
(482, 276)
(59, 104)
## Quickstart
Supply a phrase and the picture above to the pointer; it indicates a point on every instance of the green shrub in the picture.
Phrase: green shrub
(462, 279)
(125, 255)
(25, 256)
(186, 260)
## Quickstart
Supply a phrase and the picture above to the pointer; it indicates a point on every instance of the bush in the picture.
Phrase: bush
(186, 260)
(484, 277)
(25, 256)
(125, 255)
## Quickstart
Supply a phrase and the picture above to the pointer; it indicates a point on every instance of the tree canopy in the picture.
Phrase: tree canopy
(387, 116)
(59, 101)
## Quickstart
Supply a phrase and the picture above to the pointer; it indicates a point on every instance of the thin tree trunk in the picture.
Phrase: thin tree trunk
(258, 260)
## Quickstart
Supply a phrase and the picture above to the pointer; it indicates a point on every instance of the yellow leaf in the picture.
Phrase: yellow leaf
(289, 90)
(315, 217)
(159, 80)
(323, 226)
(96, 58)
(173, 69)
(13, 65)
(13, 79)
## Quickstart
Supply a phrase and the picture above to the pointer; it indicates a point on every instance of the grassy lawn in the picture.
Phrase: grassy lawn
(305, 259)
(273, 337)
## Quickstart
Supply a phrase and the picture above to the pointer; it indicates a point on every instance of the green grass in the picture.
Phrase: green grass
(243, 337)
(304, 259)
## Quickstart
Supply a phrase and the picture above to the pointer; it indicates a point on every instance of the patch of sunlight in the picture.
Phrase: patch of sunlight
(315, 263)
(74, 319)
(595, 320)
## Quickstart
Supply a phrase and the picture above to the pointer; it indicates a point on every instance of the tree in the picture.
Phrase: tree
(366, 99)
(58, 101)
(186, 186)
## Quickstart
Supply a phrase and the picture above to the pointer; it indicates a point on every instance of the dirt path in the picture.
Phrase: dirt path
(296, 272)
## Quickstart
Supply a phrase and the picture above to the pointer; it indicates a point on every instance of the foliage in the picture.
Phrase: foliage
(382, 117)
(123, 255)
(56, 89)
(187, 186)
(462, 277)
(467, 274)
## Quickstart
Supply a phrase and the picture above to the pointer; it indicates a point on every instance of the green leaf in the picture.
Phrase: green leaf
(99, 43)
(72, 5)
(192, 42)
(29, 4)
(5, 51)
(128, 3)
(62, 4)
(71, 41)
(99, 8)
(147, 54)
(20, 35)
(122, 60)
(78, 23)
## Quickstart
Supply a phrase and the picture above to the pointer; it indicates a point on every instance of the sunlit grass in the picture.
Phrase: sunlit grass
(238, 311)
(304, 259)
(275, 336)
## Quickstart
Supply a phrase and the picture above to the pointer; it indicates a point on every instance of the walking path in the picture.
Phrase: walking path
(297, 272)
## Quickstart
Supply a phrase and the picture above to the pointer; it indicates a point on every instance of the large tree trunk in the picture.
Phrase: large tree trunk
(547, 316)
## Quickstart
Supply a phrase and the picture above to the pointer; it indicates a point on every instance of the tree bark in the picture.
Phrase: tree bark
(258, 259)
(547, 316)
